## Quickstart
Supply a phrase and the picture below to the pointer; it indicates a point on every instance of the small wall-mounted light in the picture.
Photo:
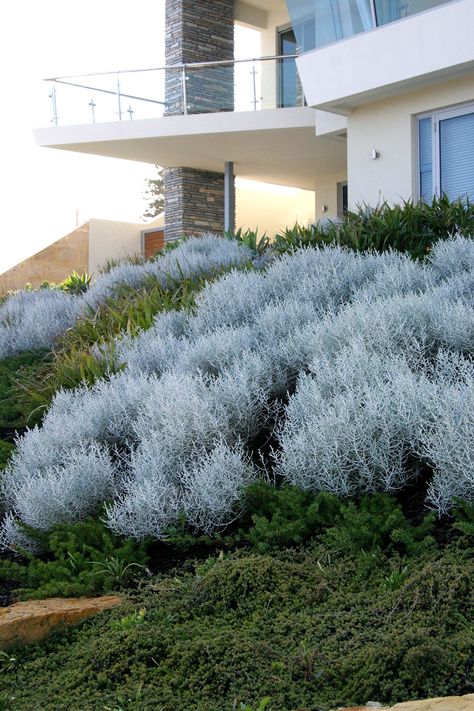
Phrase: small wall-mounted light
(375, 154)
(324, 208)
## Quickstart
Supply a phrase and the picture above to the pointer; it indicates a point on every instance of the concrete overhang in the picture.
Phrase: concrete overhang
(418, 51)
(275, 146)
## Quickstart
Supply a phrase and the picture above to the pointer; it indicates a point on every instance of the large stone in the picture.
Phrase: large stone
(31, 621)
(448, 703)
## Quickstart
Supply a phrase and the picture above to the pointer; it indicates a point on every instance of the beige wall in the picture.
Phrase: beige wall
(54, 263)
(271, 208)
(84, 250)
(114, 240)
(326, 194)
(389, 126)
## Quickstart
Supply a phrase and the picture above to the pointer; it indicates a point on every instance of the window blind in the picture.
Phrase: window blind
(456, 142)
(425, 131)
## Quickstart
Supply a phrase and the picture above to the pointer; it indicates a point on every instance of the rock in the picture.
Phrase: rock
(449, 703)
(31, 621)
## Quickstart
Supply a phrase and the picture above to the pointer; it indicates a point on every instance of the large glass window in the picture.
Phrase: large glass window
(446, 154)
(391, 10)
(320, 22)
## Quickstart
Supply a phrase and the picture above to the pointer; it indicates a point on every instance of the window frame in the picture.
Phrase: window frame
(436, 117)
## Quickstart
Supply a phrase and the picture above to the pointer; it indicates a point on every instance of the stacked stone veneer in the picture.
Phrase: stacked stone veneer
(200, 32)
(197, 32)
(194, 202)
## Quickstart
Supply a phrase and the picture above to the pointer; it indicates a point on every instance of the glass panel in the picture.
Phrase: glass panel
(456, 141)
(391, 10)
(425, 137)
(319, 22)
(288, 85)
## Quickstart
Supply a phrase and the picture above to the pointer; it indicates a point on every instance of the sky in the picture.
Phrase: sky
(45, 192)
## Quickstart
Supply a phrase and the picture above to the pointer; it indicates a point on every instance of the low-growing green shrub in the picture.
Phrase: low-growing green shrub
(288, 516)
(76, 283)
(377, 523)
(77, 559)
(6, 449)
(16, 405)
(463, 514)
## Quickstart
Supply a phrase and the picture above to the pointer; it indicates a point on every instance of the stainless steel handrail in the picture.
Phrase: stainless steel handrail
(186, 65)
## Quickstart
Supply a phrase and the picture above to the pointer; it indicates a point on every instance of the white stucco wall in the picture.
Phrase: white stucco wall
(271, 208)
(114, 240)
(389, 126)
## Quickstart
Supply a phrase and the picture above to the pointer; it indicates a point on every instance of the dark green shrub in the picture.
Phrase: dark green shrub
(287, 516)
(6, 450)
(409, 227)
(251, 239)
(17, 408)
(377, 523)
(77, 559)
(464, 518)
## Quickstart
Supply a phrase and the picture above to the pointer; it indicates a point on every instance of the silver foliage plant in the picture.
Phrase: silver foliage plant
(35, 319)
(371, 353)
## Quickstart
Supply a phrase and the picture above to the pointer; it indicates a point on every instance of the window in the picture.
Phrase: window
(288, 83)
(320, 22)
(290, 90)
(446, 154)
(342, 199)
(391, 10)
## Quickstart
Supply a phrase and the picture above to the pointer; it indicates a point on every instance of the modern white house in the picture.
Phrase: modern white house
(357, 101)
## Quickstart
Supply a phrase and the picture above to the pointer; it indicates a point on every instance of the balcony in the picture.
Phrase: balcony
(184, 89)
(249, 112)
(419, 50)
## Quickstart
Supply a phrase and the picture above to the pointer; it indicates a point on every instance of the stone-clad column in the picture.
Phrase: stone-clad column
(197, 32)
(200, 32)
(194, 202)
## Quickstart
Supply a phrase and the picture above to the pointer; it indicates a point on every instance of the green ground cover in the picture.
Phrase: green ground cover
(311, 628)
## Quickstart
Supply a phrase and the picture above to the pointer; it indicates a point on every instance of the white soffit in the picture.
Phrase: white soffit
(276, 146)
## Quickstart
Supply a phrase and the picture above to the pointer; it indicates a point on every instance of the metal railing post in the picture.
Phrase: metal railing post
(119, 100)
(185, 90)
(254, 87)
(52, 96)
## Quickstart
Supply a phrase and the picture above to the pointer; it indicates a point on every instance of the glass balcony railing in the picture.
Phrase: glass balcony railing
(207, 87)
(320, 22)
